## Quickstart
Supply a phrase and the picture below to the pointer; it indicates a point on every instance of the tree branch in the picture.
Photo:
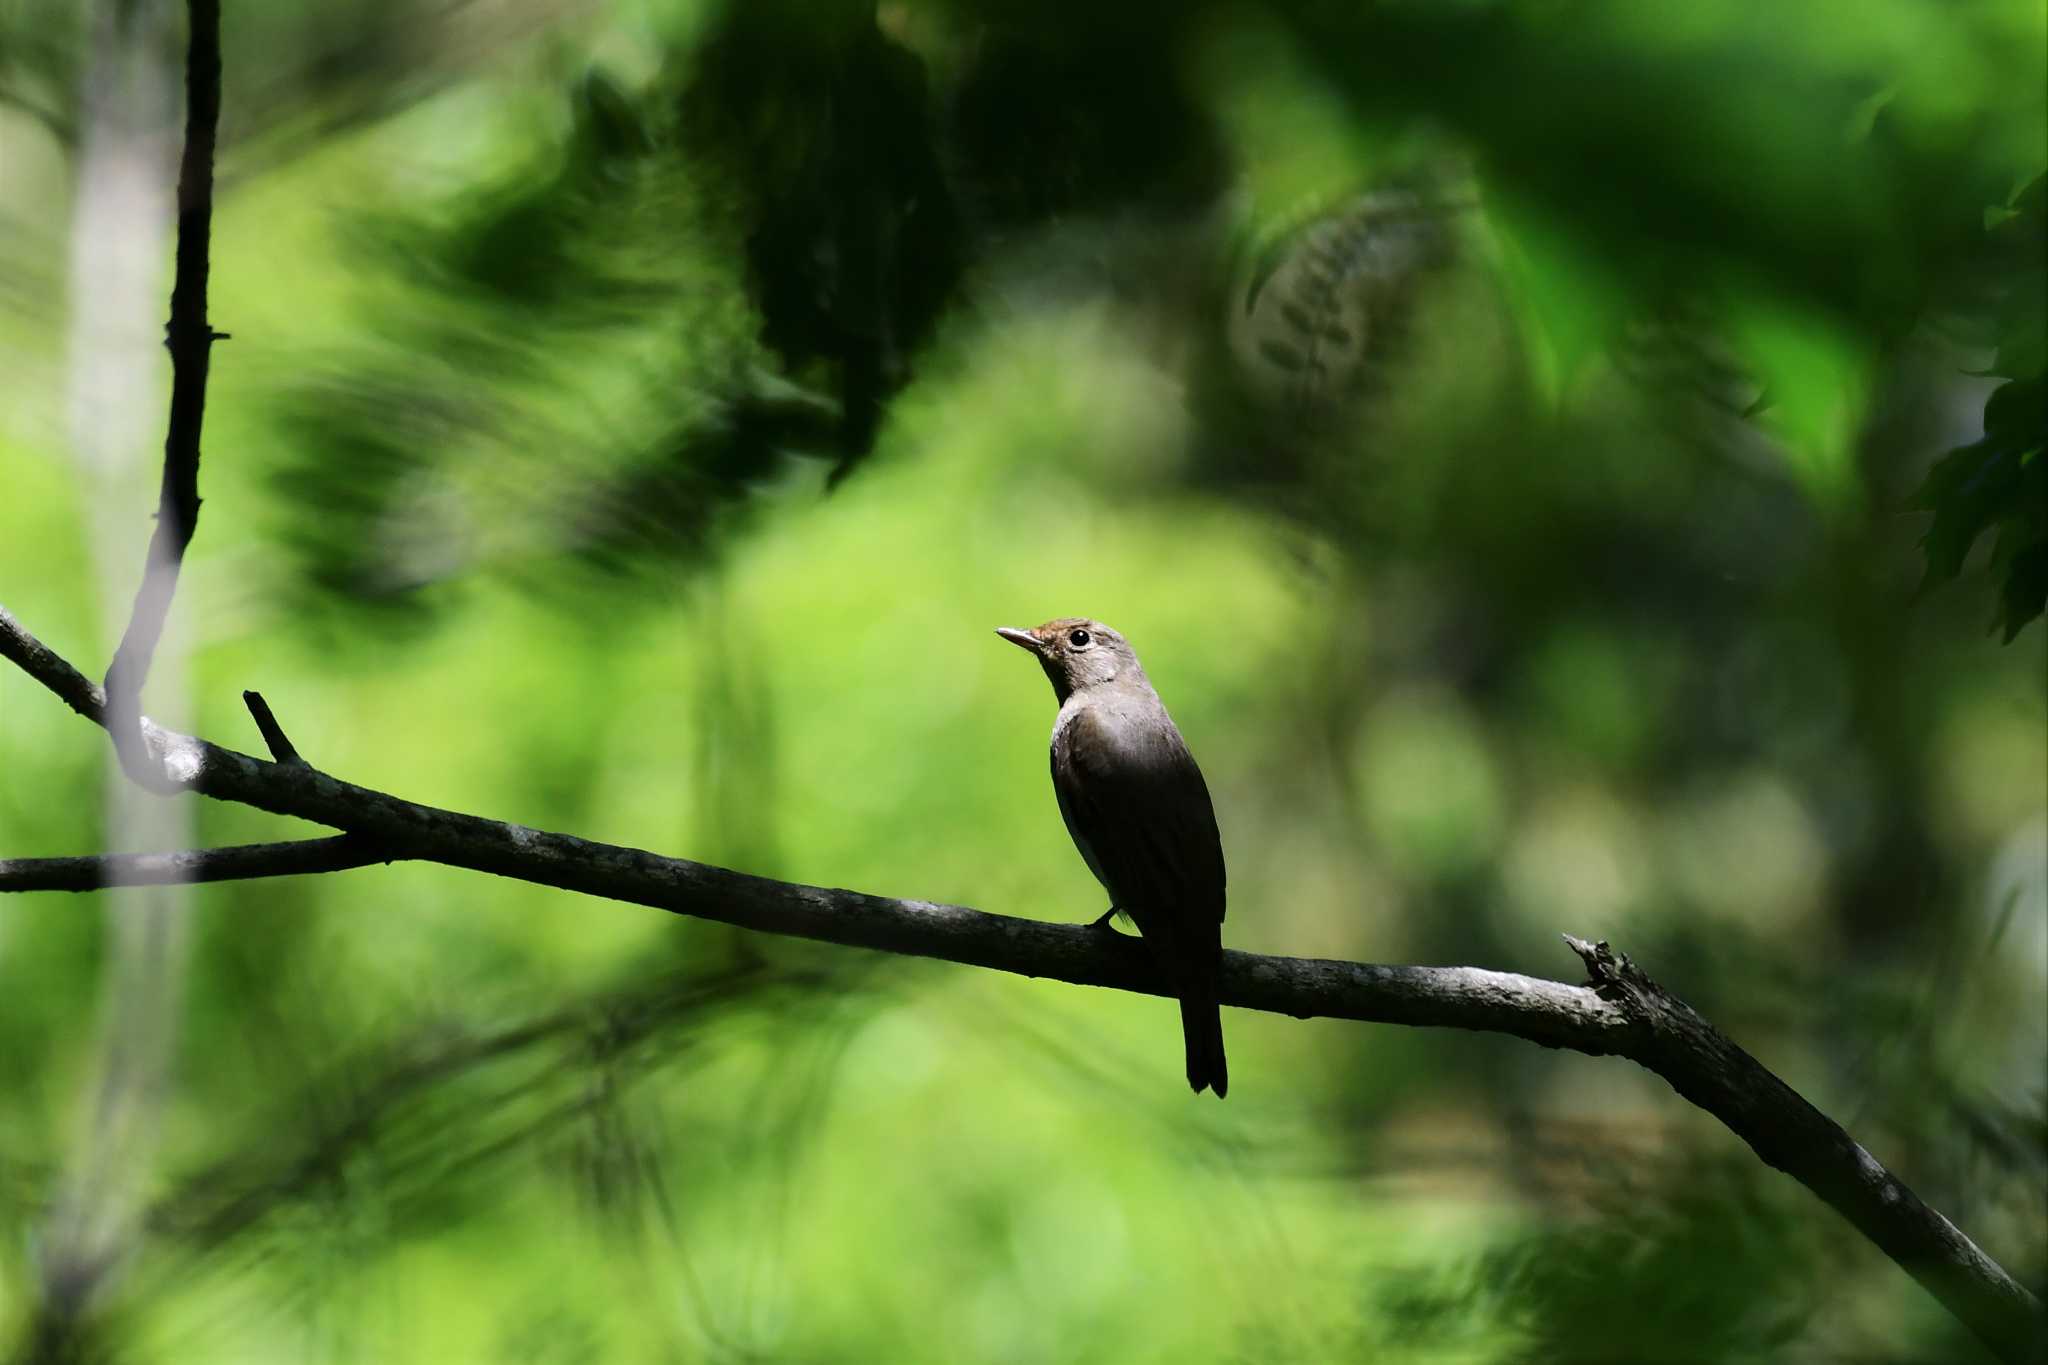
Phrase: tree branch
(242, 862)
(1622, 1013)
(189, 338)
(273, 734)
(1781, 1127)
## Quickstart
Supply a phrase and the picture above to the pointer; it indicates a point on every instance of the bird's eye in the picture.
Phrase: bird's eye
(1079, 639)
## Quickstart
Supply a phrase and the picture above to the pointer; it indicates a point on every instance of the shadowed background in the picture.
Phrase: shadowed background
(1507, 434)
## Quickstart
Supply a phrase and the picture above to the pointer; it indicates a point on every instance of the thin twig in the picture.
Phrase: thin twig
(240, 862)
(273, 734)
(189, 337)
(1622, 1014)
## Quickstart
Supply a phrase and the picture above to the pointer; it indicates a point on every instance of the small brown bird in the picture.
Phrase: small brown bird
(1138, 810)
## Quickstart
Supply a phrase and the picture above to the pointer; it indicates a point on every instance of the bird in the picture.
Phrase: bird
(1138, 811)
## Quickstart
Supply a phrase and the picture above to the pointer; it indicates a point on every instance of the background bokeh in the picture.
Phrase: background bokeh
(1506, 431)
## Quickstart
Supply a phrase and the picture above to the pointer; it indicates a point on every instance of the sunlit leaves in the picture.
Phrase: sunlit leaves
(1814, 384)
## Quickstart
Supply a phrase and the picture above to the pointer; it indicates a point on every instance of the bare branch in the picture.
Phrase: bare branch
(241, 862)
(273, 734)
(1788, 1133)
(189, 337)
(51, 669)
(1622, 1013)
(1547, 1012)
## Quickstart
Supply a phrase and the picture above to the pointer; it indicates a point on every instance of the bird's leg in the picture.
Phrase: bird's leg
(1104, 923)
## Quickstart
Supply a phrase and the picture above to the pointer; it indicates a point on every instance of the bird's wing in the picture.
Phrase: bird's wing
(1137, 806)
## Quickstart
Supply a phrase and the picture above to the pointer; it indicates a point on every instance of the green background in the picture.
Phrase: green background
(1599, 611)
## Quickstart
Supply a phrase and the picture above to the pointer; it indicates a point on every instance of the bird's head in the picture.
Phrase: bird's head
(1077, 653)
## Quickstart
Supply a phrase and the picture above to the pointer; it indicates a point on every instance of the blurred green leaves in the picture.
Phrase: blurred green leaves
(1489, 420)
(1429, 789)
(1795, 199)
(1998, 484)
(1814, 390)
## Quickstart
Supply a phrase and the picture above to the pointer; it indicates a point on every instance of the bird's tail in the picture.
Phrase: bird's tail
(1201, 1026)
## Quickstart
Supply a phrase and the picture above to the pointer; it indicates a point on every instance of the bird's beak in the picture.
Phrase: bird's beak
(1023, 639)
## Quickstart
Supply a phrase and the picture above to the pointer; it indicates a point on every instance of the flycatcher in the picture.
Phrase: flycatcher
(1138, 810)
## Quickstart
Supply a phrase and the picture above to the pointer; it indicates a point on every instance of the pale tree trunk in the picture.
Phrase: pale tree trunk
(122, 209)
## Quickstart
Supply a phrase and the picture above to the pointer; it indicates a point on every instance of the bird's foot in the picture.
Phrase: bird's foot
(1103, 925)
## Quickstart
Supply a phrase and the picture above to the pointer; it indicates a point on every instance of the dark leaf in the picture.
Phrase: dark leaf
(1281, 354)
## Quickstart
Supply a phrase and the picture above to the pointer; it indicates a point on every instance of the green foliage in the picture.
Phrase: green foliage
(1999, 482)
(1489, 421)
